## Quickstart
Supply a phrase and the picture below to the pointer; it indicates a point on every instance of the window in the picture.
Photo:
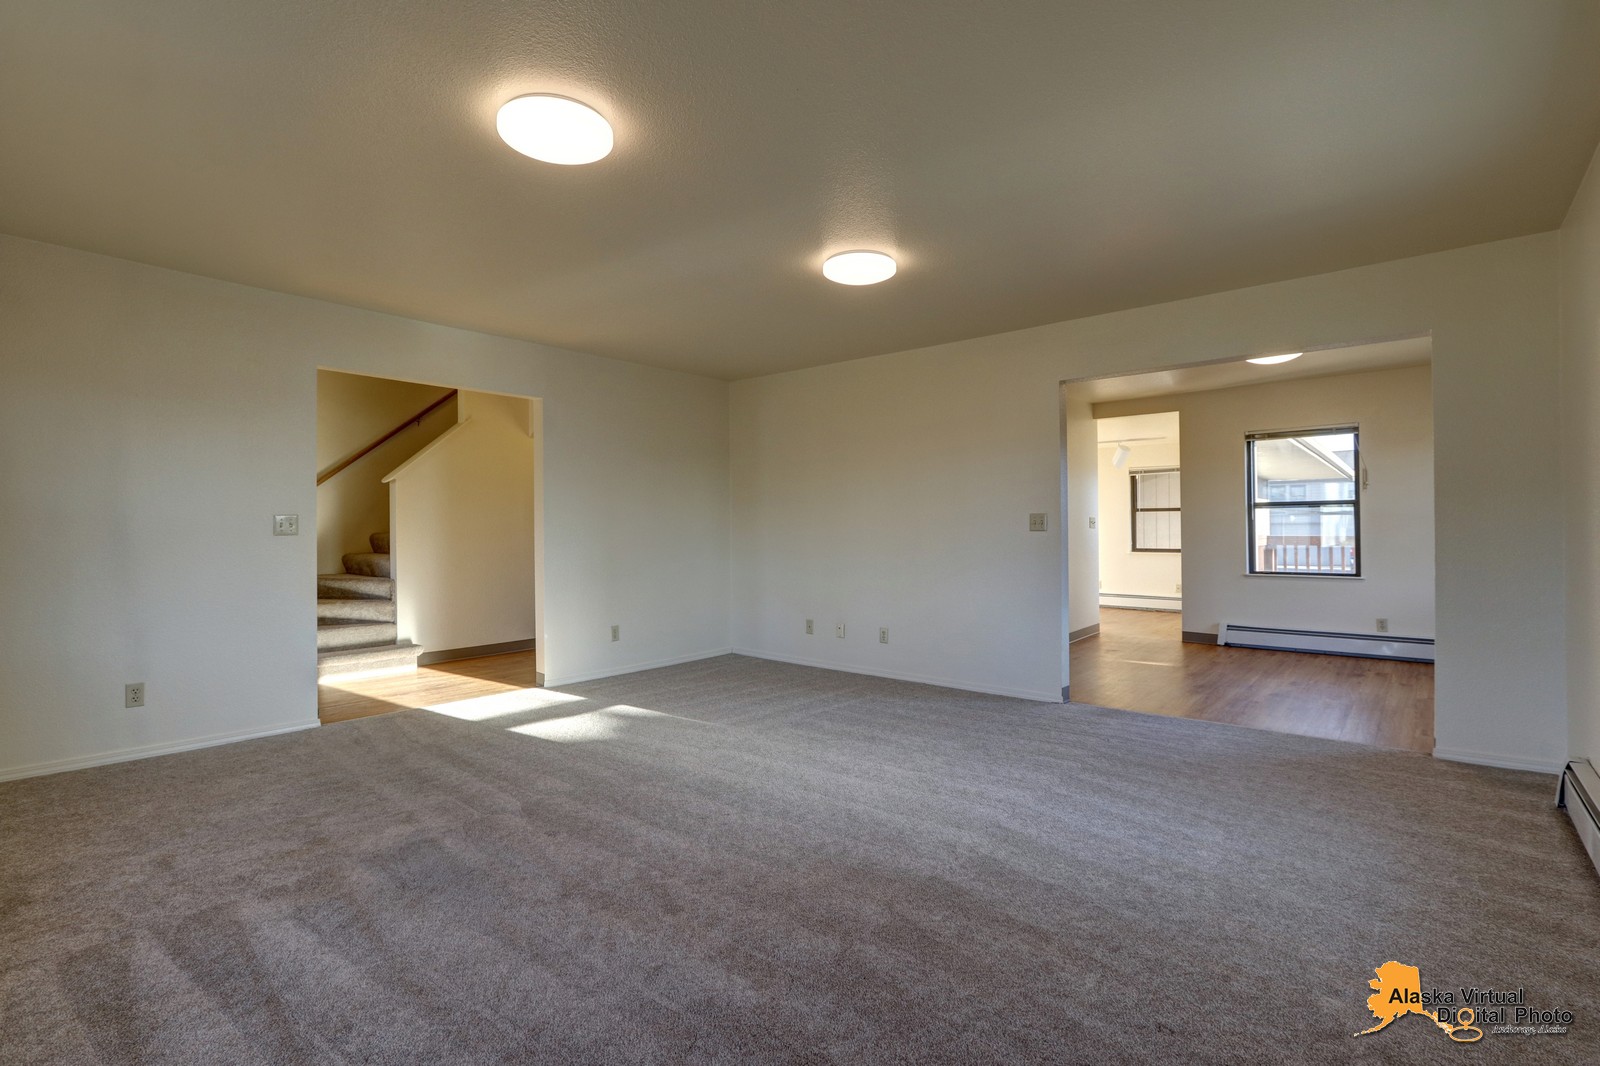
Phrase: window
(1304, 505)
(1157, 511)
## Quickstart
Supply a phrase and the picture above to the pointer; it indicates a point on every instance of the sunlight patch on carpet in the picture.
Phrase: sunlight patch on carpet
(501, 704)
(602, 724)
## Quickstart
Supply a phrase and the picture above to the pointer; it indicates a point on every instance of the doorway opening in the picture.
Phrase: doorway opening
(429, 543)
(1254, 544)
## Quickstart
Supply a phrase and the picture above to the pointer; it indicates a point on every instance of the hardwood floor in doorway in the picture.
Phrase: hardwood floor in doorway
(463, 679)
(1139, 662)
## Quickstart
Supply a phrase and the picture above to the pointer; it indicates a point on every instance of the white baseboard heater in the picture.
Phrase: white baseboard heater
(1141, 603)
(1364, 645)
(1579, 793)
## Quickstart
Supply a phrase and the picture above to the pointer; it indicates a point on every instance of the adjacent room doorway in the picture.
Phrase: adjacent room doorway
(1234, 555)
(429, 543)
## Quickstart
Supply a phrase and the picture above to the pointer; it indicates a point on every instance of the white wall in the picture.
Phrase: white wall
(352, 412)
(1081, 493)
(1580, 424)
(152, 422)
(1123, 571)
(1394, 411)
(895, 490)
(464, 531)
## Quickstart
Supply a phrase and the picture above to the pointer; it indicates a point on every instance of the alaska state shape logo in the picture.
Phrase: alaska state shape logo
(1398, 992)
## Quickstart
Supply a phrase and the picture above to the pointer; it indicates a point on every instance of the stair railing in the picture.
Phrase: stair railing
(414, 420)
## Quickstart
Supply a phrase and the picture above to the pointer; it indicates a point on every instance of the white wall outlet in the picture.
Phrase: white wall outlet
(883, 635)
(1036, 522)
(838, 630)
(810, 627)
(1383, 625)
(285, 525)
(133, 695)
(616, 634)
(1178, 588)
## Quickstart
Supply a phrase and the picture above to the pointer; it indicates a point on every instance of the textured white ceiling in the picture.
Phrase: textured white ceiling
(1161, 427)
(1204, 377)
(1028, 162)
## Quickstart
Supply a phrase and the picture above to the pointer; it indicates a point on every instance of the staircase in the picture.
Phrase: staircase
(356, 617)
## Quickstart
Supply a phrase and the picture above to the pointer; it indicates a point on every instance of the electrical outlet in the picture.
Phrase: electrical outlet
(1178, 588)
(1036, 522)
(133, 695)
(285, 525)
(616, 634)
(1383, 625)
(883, 636)
(810, 629)
(838, 630)
(1092, 522)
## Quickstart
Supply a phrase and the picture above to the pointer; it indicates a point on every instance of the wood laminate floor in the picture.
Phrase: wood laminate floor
(1139, 662)
(463, 679)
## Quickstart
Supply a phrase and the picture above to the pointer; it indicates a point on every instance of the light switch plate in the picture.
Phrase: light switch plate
(285, 525)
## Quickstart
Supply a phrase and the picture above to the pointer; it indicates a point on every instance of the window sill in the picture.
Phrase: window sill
(1312, 577)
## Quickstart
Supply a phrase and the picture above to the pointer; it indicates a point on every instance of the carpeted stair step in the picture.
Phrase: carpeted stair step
(336, 611)
(372, 564)
(346, 635)
(354, 587)
(387, 658)
(379, 542)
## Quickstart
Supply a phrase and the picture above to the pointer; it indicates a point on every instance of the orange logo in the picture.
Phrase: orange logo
(1398, 992)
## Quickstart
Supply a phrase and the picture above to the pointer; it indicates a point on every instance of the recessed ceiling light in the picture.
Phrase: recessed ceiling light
(858, 268)
(554, 129)
(1268, 360)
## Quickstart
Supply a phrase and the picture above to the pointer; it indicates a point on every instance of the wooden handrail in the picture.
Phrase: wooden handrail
(415, 419)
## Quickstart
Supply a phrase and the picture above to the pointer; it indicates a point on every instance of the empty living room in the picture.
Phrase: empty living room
(563, 533)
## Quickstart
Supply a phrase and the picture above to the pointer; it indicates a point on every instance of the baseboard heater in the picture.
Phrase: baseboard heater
(1579, 793)
(1141, 603)
(1364, 645)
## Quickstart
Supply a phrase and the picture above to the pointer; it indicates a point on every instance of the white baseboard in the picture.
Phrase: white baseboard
(105, 758)
(1504, 762)
(557, 680)
(921, 679)
(1579, 793)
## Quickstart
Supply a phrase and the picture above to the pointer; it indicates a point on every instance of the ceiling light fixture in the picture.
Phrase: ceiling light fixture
(554, 129)
(858, 268)
(1269, 360)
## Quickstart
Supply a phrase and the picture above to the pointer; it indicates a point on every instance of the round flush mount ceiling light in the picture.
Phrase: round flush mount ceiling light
(554, 129)
(1269, 360)
(858, 268)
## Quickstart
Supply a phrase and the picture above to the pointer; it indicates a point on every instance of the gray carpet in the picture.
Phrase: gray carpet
(740, 861)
